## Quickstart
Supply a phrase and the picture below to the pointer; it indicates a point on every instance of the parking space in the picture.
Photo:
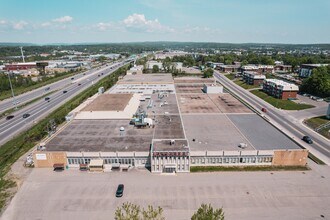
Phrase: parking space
(48, 195)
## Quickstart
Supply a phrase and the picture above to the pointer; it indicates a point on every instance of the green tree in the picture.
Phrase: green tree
(206, 212)
(208, 73)
(155, 69)
(129, 211)
(319, 83)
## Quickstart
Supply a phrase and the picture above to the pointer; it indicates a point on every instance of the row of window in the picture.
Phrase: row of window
(163, 160)
(221, 160)
(178, 167)
(79, 160)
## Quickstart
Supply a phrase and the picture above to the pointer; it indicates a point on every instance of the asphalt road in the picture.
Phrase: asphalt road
(28, 96)
(41, 108)
(281, 117)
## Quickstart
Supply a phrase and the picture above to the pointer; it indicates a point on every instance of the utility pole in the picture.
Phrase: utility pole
(12, 91)
(22, 54)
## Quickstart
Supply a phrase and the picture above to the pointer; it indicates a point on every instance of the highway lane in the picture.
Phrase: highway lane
(281, 117)
(28, 96)
(40, 109)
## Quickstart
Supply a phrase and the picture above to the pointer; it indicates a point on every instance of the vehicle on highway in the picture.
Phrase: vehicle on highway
(101, 73)
(26, 115)
(9, 117)
(307, 139)
(79, 84)
(98, 75)
(120, 190)
(48, 88)
(264, 110)
(47, 98)
(72, 78)
(65, 91)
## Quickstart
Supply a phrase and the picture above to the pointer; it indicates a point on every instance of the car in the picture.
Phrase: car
(9, 117)
(98, 75)
(307, 139)
(120, 190)
(79, 84)
(47, 99)
(264, 110)
(101, 73)
(26, 115)
(72, 78)
(48, 88)
(84, 74)
(65, 91)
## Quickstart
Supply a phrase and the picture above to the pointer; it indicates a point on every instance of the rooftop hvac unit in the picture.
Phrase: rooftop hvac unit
(242, 145)
(172, 142)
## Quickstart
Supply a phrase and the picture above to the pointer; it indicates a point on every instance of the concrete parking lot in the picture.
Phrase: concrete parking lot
(245, 195)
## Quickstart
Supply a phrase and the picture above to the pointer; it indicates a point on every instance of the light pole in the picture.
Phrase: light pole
(12, 91)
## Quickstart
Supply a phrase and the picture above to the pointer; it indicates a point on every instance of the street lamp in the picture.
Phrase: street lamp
(12, 91)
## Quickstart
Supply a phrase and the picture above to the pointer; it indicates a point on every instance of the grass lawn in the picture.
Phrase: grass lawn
(246, 168)
(230, 76)
(316, 122)
(246, 86)
(279, 103)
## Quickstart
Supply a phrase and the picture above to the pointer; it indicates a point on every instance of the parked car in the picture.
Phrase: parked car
(120, 190)
(65, 91)
(47, 99)
(26, 115)
(9, 117)
(307, 139)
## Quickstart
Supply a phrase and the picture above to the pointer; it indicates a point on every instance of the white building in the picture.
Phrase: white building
(135, 70)
(213, 89)
(152, 63)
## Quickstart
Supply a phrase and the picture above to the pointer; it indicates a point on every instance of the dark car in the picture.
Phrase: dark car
(264, 110)
(9, 117)
(26, 115)
(72, 78)
(79, 84)
(307, 139)
(98, 75)
(65, 91)
(47, 98)
(48, 88)
(120, 190)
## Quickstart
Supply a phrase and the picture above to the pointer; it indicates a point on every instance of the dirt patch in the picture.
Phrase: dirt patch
(109, 102)
(228, 104)
(196, 103)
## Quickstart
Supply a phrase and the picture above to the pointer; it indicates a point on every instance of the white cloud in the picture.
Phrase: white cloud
(45, 24)
(3, 22)
(64, 19)
(138, 22)
(104, 26)
(20, 25)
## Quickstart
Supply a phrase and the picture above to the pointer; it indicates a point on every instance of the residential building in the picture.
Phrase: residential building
(307, 69)
(253, 78)
(280, 89)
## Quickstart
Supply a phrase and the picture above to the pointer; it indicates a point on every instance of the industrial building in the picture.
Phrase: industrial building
(280, 89)
(253, 78)
(165, 125)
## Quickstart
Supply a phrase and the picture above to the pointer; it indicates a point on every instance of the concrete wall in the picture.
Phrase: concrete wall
(48, 159)
(290, 158)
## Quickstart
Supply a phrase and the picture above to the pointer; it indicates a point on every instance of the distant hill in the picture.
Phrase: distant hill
(5, 44)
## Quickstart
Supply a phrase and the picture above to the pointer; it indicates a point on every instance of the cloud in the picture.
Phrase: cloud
(139, 23)
(64, 19)
(104, 26)
(45, 24)
(3, 22)
(20, 25)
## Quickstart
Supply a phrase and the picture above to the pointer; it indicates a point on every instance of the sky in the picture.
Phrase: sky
(226, 21)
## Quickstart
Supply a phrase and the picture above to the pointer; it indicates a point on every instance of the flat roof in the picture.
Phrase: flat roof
(213, 133)
(101, 135)
(170, 145)
(147, 79)
(261, 134)
(109, 102)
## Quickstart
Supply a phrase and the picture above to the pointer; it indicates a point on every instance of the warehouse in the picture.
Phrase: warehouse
(165, 132)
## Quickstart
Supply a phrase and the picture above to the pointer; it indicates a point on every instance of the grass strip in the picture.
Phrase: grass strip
(280, 103)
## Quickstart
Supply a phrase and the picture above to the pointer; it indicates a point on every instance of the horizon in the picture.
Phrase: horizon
(129, 21)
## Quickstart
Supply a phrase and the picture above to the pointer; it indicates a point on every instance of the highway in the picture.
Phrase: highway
(41, 108)
(281, 119)
(29, 96)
